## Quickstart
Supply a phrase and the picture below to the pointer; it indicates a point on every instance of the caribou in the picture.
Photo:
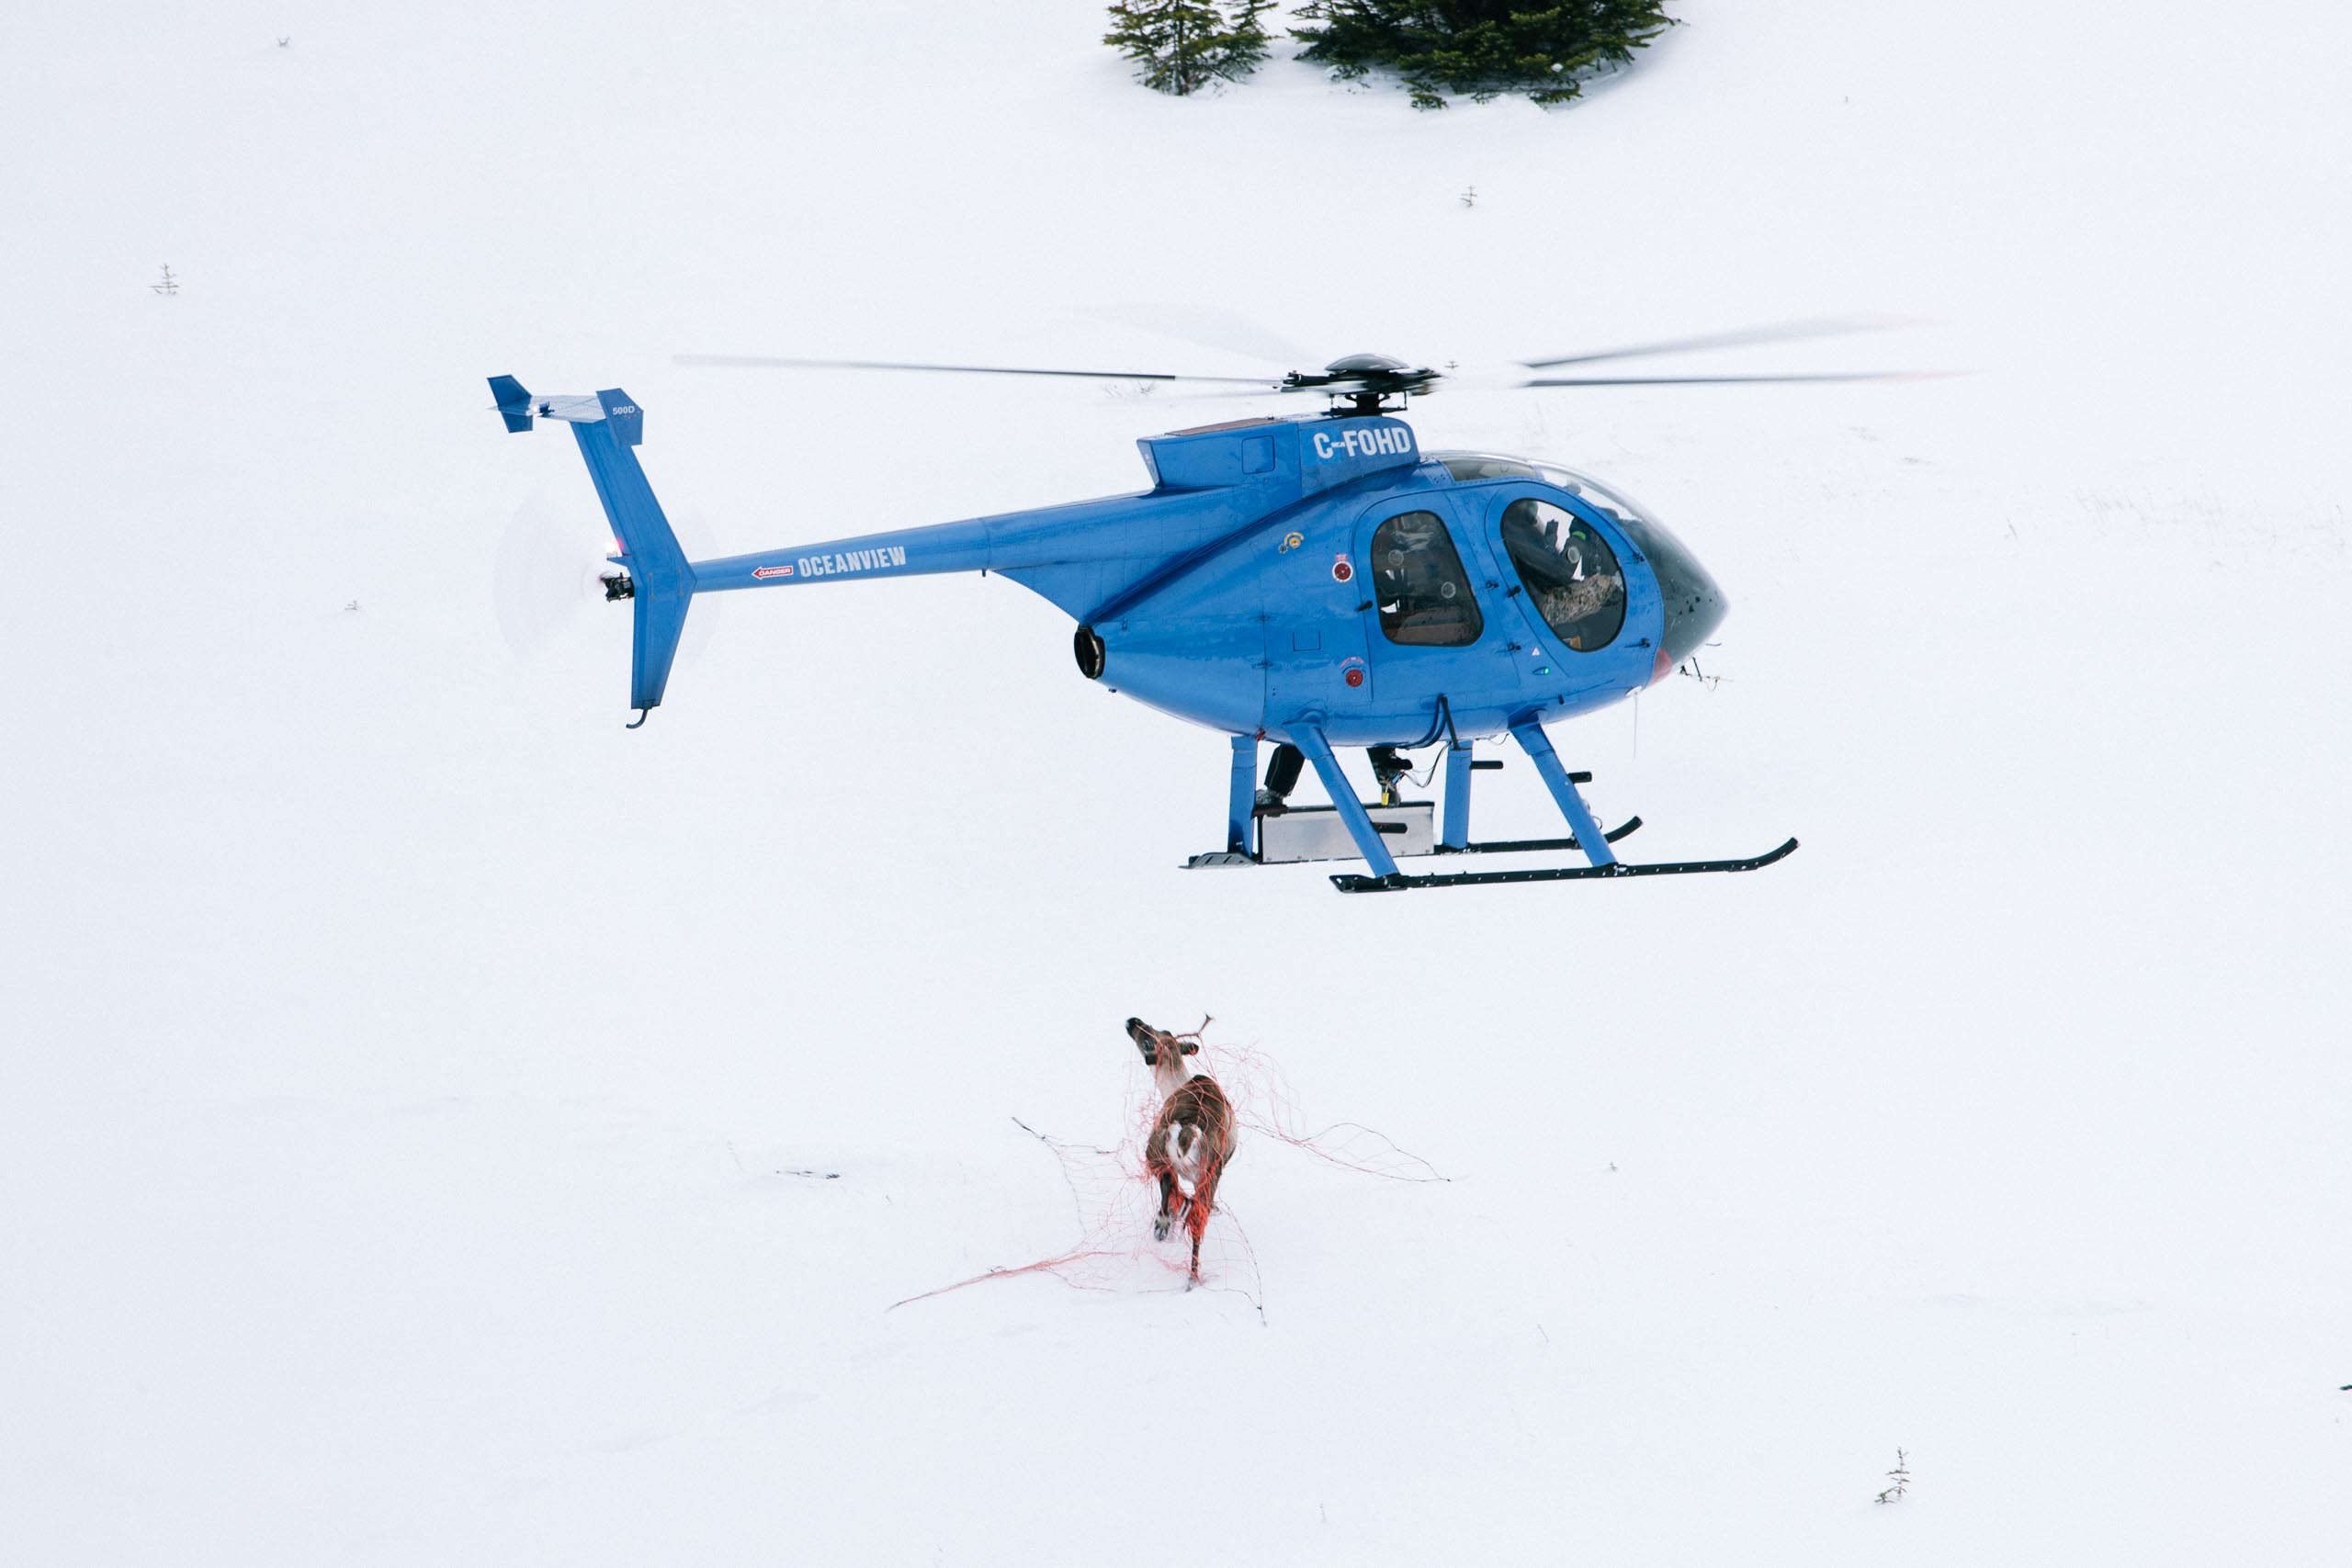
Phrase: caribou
(1191, 1137)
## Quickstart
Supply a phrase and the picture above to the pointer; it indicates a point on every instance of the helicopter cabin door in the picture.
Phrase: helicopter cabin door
(1316, 658)
(1573, 591)
(1420, 605)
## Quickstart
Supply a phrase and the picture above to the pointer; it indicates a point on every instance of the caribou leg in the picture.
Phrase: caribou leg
(1196, 1215)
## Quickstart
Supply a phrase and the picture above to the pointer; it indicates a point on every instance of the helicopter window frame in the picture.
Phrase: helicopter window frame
(1428, 582)
(1592, 628)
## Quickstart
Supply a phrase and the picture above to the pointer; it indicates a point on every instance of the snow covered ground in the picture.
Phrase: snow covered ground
(405, 1067)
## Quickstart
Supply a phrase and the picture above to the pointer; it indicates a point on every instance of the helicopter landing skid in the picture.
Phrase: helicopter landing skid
(1401, 882)
(1533, 846)
(1244, 847)
(1226, 859)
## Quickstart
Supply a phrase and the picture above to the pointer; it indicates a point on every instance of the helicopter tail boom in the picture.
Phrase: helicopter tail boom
(661, 583)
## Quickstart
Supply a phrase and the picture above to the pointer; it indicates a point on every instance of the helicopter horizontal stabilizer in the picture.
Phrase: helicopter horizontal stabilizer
(660, 582)
(517, 407)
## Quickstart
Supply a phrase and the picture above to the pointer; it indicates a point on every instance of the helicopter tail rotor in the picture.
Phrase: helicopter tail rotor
(659, 583)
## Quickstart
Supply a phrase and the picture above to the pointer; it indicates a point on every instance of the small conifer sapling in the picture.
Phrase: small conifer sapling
(1901, 1478)
(1183, 46)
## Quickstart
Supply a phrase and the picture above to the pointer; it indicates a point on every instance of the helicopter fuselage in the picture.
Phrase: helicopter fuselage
(1325, 573)
(1317, 581)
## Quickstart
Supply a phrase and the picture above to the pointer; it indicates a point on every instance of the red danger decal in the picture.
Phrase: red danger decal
(1342, 571)
(771, 571)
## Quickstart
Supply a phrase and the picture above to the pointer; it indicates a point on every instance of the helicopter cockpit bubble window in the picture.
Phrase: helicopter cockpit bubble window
(1468, 467)
(1417, 582)
(1650, 538)
(1694, 605)
(1593, 493)
(1570, 572)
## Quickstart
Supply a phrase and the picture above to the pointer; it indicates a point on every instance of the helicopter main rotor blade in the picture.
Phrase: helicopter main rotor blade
(768, 362)
(1223, 330)
(1724, 380)
(1783, 332)
(1261, 390)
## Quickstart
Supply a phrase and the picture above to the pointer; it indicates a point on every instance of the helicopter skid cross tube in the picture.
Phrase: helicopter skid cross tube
(1563, 785)
(1240, 816)
(1309, 739)
(1459, 765)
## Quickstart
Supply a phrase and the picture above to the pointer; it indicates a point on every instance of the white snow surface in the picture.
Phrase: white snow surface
(403, 1064)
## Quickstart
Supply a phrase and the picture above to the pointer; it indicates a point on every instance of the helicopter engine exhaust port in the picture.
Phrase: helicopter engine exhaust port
(1092, 657)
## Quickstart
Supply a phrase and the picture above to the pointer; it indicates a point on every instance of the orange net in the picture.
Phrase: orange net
(1117, 1197)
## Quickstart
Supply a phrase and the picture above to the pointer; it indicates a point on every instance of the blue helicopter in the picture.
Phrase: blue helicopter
(1318, 582)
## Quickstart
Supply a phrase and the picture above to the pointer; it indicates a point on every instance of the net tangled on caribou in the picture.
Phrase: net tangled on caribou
(1151, 1210)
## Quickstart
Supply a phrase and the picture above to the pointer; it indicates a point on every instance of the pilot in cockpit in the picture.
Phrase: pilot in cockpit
(1572, 577)
(1591, 590)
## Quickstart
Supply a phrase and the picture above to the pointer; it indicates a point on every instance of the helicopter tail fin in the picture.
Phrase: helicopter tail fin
(661, 583)
(513, 403)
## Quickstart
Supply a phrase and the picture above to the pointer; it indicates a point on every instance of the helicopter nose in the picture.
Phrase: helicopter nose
(1695, 604)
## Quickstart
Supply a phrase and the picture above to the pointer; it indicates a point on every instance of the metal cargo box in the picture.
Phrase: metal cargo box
(1315, 832)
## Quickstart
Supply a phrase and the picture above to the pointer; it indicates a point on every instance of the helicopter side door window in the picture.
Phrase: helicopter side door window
(1418, 584)
(1570, 572)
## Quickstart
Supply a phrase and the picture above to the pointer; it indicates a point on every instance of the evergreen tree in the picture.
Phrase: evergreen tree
(1182, 46)
(1480, 47)
(1250, 35)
